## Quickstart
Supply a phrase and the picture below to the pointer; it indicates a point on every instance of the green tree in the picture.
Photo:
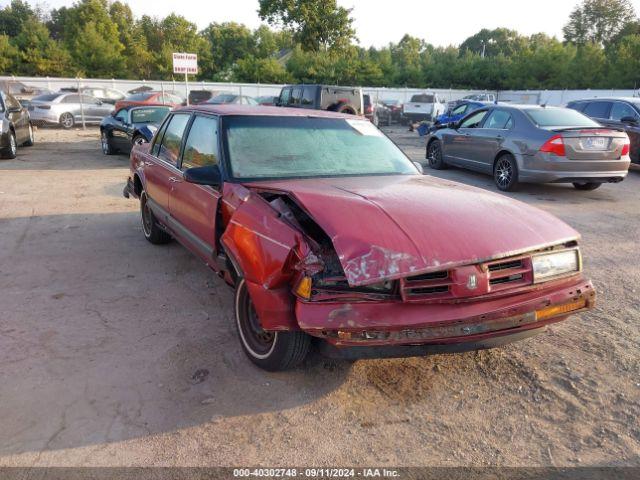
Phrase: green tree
(316, 24)
(14, 16)
(227, 43)
(625, 63)
(8, 56)
(500, 41)
(260, 70)
(598, 21)
(39, 54)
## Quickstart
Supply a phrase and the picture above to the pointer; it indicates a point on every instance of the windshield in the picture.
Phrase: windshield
(289, 147)
(559, 117)
(149, 115)
(422, 98)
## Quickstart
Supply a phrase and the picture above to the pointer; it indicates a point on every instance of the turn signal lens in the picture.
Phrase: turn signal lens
(303, 290)
(554, 145)
(556, 310)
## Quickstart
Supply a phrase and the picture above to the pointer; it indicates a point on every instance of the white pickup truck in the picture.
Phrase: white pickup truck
(423, 106)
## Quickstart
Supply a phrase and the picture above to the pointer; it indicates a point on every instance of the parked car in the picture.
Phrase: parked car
(201, 96)
(19, 90)
(15, 126)
(458, 113)
(621, 112)
(130, 126)
(230, 98)
(150, 98)
(326, 229)
(323, 97)
(66, 109)
(268, 100)
(376, 112)
(423, 107)
(106, 95)
(396, 108)
(531, 143)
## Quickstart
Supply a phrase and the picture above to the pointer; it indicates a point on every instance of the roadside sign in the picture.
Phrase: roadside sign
(186, 63)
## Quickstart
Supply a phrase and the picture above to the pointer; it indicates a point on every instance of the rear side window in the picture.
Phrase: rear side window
(579, 106)
(285, 95)
(170, 147)
(498, 120)
(296, 96)
(308, 96)
(158, 139)
(620, 110)
(201, 148)
(598, 109)
(474, 120)
(47, 97)
(422, 99)
(460, 110)
(71, 99)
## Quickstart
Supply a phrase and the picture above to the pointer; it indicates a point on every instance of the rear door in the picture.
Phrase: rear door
(161, 164)
(621, 110)
(193, 207)
(598, 110)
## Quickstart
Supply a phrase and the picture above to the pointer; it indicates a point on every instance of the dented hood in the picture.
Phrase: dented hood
(387, 227)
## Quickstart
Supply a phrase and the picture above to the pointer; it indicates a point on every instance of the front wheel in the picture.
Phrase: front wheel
(505, 173)
(434, 156)
(30, 141)
(586, 185)
(272, 351)
(12, 149)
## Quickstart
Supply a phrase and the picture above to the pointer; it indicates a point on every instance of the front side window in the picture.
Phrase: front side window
(498, 120)
(621, 110)
(474, 120)
(261, 147)
(170, 147)
(460, 110)
(296, 96)
(285, 95)
(122, 115)
(201, 147)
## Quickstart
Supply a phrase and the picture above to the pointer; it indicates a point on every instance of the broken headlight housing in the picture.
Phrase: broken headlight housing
(387, 287)
(552, 265)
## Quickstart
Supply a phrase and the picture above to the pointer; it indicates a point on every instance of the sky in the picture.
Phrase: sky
(439, 22)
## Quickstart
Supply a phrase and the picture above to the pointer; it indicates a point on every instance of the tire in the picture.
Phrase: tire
(348, 109)
(150, 228)
(138, 140)
(505, 173)
(31, 140)
(376, 120)
(12, 149)
(586, 186)
(67, 121)
(434, 156)
(271, 351)
(105, 143)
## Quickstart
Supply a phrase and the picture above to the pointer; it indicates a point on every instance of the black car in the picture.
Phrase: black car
(15, 126)
(130, 126)
(622, 113)
(323, 97)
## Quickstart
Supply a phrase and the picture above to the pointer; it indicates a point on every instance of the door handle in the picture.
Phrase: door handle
(148, 164)
(174, 179)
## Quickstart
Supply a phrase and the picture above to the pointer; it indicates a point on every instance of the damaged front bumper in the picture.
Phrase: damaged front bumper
(375, 324)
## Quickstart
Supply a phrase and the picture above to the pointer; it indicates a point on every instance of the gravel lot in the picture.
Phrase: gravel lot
(117, 352)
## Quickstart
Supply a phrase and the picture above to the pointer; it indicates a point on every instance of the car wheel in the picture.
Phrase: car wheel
(376, 120)
(434, 156)
(139, 140)
(107, 149)
(152, 231)
(67, 121)
(31, 140)
(586, 185)
(505, 173)
(272, 351)
(12, 149)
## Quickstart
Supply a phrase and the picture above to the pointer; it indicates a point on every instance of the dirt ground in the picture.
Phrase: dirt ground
(114, 352)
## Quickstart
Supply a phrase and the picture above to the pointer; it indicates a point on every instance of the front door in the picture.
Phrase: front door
(458, 143)
(193, 207)
(488, 140)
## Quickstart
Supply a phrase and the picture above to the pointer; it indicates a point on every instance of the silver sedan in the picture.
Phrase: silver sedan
(530, 143)
(67, 109)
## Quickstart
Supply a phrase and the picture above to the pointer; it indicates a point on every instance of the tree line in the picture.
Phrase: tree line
(313, 41)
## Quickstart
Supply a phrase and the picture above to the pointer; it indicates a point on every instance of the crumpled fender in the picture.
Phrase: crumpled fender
(265, 248)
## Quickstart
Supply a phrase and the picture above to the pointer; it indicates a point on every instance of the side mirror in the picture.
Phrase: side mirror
(452, 125)
(630, 120)
(418, 165)
(209, 175)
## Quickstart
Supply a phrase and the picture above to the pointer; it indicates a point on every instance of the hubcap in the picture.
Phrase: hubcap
(12, 144)
(434, 152)
(105, 143)
(504, 172)
(147, 221)
(67, 120)
(257, 340)
(139, 141)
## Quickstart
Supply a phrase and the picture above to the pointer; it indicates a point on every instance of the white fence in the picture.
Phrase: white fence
(548, 97)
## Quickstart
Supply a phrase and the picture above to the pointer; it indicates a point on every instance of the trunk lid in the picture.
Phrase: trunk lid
(593, 143)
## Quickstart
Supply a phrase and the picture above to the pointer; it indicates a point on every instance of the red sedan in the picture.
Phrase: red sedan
(150, 98)
(327, 231)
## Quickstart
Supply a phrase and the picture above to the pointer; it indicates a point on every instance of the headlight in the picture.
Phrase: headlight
(547, 266)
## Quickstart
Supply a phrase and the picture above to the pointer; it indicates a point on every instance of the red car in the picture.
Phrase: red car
(150, 98)
(327, 231)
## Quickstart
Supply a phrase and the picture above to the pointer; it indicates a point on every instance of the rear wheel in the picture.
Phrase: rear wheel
(272, 351)
(138, 140)
(12, 149)
(434, 156)
(586, 185)
(152, 231)
(107, 149)
(67, 121)
(505, 173)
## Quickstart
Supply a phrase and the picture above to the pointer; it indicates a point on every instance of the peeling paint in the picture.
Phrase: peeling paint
(378, 263)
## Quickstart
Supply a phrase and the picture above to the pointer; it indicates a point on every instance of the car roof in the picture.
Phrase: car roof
(624, 99)
(261, 111)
